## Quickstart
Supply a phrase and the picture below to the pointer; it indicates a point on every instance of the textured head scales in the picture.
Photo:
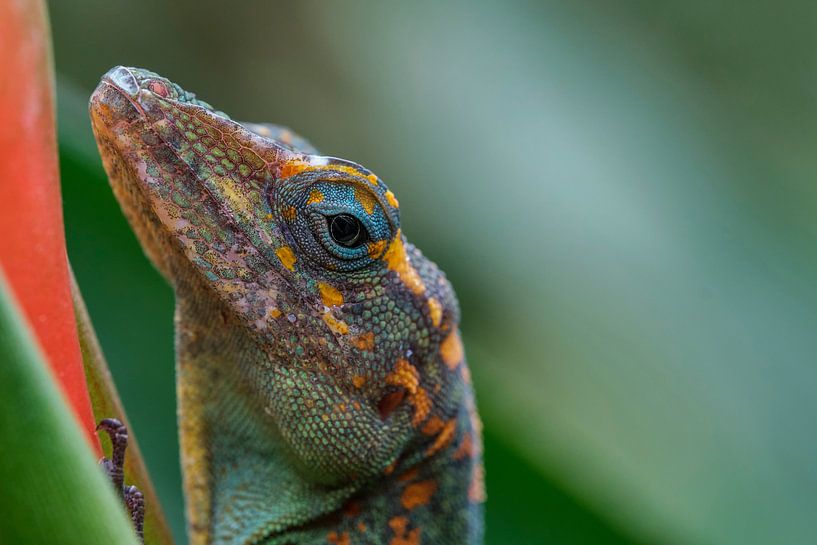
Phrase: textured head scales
(314, 368)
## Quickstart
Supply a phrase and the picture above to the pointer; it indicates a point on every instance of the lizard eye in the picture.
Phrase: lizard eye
(347, 230)
(337, 220)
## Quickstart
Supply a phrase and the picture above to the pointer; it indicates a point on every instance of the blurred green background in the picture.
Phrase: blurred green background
(622, 193)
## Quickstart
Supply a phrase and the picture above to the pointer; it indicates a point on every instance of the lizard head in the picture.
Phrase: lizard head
(307, 253)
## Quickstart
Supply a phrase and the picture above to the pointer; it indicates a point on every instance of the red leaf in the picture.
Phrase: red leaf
(32, 240)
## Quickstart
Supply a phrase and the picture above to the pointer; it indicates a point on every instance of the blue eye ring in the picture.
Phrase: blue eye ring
(305, 205)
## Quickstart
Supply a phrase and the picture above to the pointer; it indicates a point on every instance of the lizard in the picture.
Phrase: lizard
(114, 467)
(323, 393)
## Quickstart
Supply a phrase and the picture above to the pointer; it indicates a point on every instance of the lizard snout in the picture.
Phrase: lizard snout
(123, 79)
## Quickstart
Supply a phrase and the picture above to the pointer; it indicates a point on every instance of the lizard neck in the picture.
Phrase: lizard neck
(240, 483)
(243, 487)
(434, 501)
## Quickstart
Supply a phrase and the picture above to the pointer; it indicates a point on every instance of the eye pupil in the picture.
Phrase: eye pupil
(347, 230)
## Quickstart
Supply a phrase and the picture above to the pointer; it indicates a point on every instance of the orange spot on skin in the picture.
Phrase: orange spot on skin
(330, 296)
(293, 167)
(376, 248)
(371, 178)
(433, 426)
(406, 376)
(403, 536)
(275, 313)
(397, 260)
(366, 200)
(287, 257)
(392, 199)
(435, 310)
(338, 326)
(398, 524)
(422, 406)
(364, 341)
(315, 197)
(290, 213)
(476, 490)
(338, 539)
(465, 372)
(390, 468)
(466, 448)
(361, 527)
(445, 437)
(476, 427)
(409, 475)
(476, 423)
(451, 350)
(417, 494)
(296, 166)
(358, 381)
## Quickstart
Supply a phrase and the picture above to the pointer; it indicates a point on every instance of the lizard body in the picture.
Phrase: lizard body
(323, 392)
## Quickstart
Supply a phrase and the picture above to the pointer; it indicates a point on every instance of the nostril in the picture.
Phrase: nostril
(124, 79)
(159, 88)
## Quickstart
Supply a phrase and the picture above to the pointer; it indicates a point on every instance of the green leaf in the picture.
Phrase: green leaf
(53, 490)
(106, 404)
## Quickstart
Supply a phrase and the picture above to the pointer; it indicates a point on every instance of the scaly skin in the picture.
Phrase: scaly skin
(323, 394)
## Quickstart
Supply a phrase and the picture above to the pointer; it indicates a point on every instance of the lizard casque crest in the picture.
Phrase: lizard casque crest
(323, 392)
